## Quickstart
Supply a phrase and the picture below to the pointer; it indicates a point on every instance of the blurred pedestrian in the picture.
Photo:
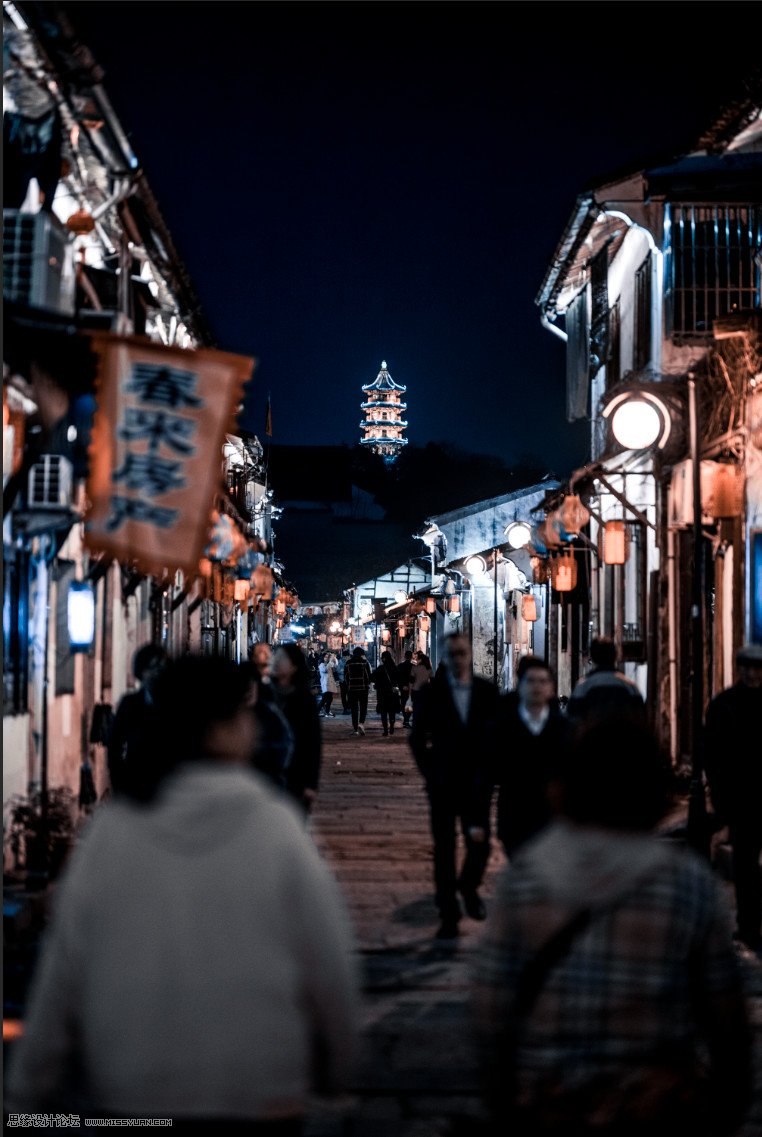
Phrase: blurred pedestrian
(357, 673)
(199, 965)
(421, 674)
(341, 667)
(607, 996)
(329, 684)
(450, 744)
(733, 764)
(605, 689)
(403, 672)
(131, 738)
(274, 742)
(386, 681)
(530, 740)
(261, 658)
(291, 680)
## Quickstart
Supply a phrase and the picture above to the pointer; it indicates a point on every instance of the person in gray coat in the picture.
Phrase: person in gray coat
(200, 964)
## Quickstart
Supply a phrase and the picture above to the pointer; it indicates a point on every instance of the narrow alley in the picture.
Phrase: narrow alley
(417, 1074)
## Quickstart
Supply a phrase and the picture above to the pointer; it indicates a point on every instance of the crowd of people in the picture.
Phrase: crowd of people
(606, 989)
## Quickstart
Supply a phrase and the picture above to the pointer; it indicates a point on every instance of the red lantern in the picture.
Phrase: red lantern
(614, 542)
(573, 515)
(528, 608)
(563, 571)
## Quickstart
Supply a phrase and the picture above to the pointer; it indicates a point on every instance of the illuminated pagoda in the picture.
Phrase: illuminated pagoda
(383, 425)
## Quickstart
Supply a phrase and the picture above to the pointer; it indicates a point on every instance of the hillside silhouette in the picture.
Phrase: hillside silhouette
(347, 517)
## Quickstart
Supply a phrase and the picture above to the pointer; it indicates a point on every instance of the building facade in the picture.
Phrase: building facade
(655, 290)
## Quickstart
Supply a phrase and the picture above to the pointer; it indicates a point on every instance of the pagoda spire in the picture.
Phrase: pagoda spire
(383, 424)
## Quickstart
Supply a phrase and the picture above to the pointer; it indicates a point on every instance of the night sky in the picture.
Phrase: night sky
(355, 182)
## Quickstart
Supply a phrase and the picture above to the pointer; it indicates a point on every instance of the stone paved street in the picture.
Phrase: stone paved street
(417, 1075)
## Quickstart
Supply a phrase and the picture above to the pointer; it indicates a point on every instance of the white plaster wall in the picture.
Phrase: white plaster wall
(15, 754)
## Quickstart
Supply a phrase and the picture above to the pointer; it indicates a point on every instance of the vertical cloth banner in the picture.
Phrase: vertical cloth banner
(161, 417)
(269, 418)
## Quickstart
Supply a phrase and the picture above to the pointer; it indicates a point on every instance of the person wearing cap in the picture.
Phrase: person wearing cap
(733, 764)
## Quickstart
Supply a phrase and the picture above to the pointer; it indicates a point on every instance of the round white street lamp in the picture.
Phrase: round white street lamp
(476, 565)
(518, 533)
(639, 419)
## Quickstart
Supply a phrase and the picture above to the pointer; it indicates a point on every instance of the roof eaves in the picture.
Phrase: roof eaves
(578, 226)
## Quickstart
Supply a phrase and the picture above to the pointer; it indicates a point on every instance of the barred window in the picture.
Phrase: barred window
(614, 347)
(643, 300)
(712, 271)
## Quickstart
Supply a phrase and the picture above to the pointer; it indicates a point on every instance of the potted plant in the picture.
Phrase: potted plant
(41, 838)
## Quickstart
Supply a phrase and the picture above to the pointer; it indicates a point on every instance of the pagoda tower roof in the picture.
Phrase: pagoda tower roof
(384, 382)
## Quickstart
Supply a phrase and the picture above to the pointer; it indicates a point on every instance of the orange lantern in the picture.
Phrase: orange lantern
(401, 627)
(80, 223)
(431, 605)
(563, 571)
(425, 623)
(614, 542)
(205, 567)
(262, 580)
(528, 608)
(573, 515)
(386, 635)
(453, 605)
(241, 590)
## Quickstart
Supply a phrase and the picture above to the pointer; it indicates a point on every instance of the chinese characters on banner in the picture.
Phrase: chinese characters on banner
(156, 452)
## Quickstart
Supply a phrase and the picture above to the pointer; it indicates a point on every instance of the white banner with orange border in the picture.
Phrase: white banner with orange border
(161, 417)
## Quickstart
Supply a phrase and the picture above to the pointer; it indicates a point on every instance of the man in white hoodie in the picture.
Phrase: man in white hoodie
(199, 965)
(607, 993)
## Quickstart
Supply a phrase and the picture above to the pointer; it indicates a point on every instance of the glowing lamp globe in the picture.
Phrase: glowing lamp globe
(636, 424)
(476, 565)
(518, 534)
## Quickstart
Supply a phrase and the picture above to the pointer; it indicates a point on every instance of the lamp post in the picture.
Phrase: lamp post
(641, 419)
(697, 834)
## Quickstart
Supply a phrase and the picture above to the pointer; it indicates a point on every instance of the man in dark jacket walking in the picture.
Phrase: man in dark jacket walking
(733, 764)
(132, 734)
(450, 744)
(357, 675)
(531, 738)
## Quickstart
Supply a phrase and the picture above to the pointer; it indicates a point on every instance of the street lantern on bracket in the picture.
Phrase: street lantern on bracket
(519, 534)
(641, 418)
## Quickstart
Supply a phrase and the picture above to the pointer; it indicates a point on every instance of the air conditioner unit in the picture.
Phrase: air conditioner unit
(50, 483)
(681, 494)
(37, 262)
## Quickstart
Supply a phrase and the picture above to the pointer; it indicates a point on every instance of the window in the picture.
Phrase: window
(614, 346)
(15, 631)
(712, 268)
(643, 300)
(599, 323)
